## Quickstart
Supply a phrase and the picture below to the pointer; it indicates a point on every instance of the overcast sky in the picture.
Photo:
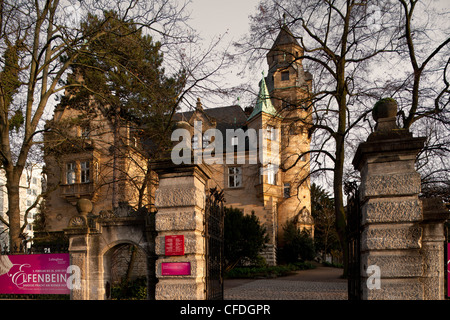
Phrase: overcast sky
(214, 17)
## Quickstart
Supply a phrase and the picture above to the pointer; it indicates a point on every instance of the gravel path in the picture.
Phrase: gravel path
(321, 283)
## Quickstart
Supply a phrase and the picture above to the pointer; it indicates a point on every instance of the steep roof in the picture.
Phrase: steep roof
(231, 117)
(285, 37)
(264, 103)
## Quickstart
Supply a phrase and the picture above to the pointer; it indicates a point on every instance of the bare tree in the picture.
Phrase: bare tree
(422, 86)
(39, 41)
(346, 45)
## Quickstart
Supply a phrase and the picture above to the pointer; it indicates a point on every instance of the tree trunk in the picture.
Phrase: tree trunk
(341, 222)
(341, 98)
(15, 239)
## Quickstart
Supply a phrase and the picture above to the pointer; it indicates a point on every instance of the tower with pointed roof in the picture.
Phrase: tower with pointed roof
(288, 109)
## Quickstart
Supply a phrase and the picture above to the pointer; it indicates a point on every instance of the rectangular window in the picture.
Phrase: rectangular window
(271, 174)
(271, 133)
(234, 177)
(287, 190)
(85, 172)
(70, 173)
(284, 75)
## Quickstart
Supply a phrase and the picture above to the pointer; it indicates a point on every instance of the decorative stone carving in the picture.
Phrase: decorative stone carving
(391, 210)
(376, 237)
(78, 221)
(172, 220)
(106, 214)
(394, 265)
(391, 185)
(179, 197)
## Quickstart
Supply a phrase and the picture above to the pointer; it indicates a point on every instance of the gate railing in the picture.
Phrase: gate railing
(354, 244)
(214, 222)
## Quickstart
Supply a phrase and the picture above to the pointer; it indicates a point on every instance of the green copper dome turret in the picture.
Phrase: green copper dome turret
(264, 103)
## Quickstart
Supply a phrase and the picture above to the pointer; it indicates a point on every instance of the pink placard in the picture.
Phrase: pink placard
(34, 273)
(448, 269)
(174, 245)
(175, 268)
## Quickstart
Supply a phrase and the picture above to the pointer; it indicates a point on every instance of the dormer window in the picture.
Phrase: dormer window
(205, 140)
(285, 76)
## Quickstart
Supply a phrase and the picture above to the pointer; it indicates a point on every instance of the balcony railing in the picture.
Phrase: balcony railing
(75, 191)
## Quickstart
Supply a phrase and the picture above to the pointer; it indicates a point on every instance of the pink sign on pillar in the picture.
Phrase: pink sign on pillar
(448, 269)
(34, 273)
(174, 245)
(175, 268)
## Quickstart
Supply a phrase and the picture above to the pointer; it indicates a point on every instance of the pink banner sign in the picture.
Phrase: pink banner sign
(175, 268)
(34, 274)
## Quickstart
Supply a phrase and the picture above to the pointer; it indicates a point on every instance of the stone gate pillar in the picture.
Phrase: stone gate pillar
(434, 272)
(391, 210)
(180, 201)
(78, 232)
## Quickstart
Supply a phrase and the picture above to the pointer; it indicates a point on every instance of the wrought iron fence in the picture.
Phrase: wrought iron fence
(354, 244)
(214, 223)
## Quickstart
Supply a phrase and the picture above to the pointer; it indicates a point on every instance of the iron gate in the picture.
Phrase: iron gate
(354, 244)
(214, 220)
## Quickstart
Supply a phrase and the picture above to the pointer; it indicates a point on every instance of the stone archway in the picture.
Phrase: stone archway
(123, 264)
(94, 239)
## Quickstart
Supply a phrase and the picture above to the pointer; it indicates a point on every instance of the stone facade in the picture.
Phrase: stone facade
(101, 163)
(81, 164)
(282, 104)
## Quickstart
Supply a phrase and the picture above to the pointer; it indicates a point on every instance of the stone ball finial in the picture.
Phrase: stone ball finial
(384, 108)
(84, 206)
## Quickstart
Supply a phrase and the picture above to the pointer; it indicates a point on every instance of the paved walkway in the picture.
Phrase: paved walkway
(322, 283)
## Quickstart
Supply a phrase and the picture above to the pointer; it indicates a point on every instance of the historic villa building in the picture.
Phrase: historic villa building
(101, 162)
